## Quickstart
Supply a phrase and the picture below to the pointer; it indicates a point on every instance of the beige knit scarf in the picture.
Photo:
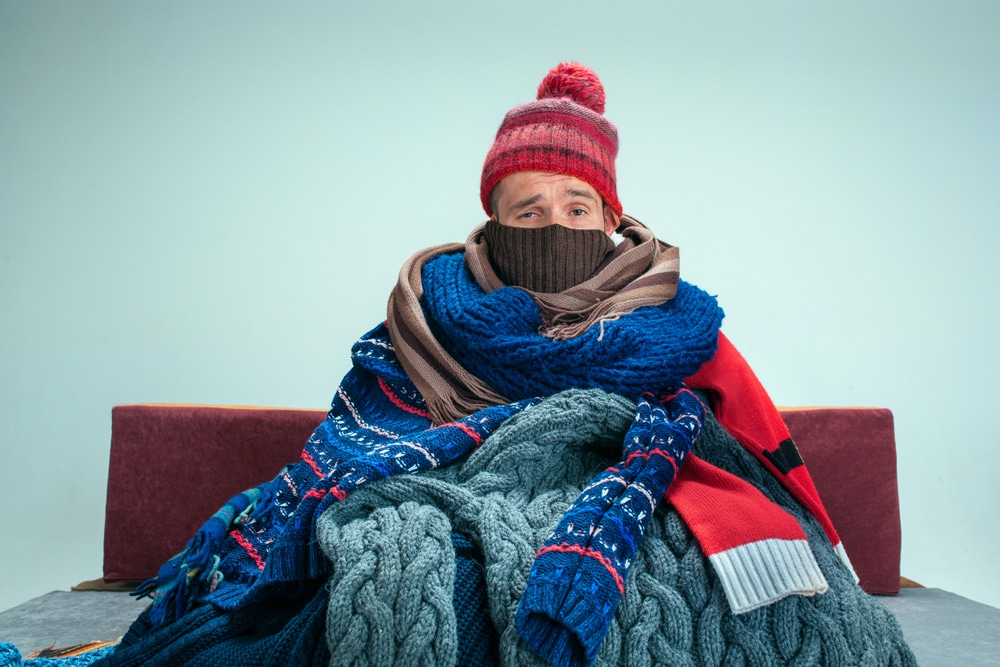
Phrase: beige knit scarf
(641, 271)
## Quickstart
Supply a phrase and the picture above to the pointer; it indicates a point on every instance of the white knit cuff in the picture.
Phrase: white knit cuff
(839, 549)
(756, 574)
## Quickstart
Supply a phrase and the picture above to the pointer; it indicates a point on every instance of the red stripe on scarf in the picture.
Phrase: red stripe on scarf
(399, 403)
(338, 493)
(312, 464)
(242, 541)
(468, 430)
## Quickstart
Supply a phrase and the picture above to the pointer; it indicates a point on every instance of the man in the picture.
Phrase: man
(532, 459)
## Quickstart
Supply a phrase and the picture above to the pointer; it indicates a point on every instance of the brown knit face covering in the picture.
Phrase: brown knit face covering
(545, 259)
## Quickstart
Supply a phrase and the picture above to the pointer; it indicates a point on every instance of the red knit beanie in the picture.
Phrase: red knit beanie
(564, 132)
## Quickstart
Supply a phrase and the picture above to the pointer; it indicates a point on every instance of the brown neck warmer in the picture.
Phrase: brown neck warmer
(545, 259)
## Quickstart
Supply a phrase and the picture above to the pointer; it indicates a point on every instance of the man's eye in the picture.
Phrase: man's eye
(528, 214)
(578, 212)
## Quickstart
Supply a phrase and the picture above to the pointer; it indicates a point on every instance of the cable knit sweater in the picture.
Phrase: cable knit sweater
(393, 561)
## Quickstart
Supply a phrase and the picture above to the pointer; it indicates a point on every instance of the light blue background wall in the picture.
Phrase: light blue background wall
(208, 202)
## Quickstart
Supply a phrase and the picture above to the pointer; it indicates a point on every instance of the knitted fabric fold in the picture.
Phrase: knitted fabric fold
(545, 259)
(579, 573)
(374, 432)
(379, 427)
(641, 272)
(510, 494)
(755, 568)
(286, 630)
(741, 403)
(263, 539)
(495, 336)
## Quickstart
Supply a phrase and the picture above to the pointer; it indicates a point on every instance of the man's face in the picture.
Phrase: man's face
(539, 199)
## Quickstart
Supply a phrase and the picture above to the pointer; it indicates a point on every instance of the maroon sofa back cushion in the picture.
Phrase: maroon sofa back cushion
(173, 466)
(851, 456)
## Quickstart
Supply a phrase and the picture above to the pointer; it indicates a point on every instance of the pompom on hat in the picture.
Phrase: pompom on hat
(564, 131)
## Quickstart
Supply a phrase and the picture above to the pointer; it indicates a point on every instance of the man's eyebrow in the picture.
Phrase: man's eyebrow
(580, 193)
(524, 203)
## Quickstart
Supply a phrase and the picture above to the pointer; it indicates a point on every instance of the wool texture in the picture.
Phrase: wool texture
(262, 540)
(579, 573)
(642, 271)
(574, 587)
(379, 428)
(404, 596)
(495, 336)
(10, 656)
(512, 492)
(748, 413)
(545, 259)
(376, 428)
(478, 641)
(287, 629)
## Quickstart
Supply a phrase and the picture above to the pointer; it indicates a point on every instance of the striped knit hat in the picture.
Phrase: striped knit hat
(563, 131)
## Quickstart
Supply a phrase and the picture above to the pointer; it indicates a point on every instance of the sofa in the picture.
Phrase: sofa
(206, 454)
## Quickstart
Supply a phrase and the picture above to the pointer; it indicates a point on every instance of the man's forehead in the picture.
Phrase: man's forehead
(535, 185)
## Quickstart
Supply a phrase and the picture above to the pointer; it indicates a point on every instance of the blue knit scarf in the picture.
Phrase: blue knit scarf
(495, 337)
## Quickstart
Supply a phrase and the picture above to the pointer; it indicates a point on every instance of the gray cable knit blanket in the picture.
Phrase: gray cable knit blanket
(394, 563)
